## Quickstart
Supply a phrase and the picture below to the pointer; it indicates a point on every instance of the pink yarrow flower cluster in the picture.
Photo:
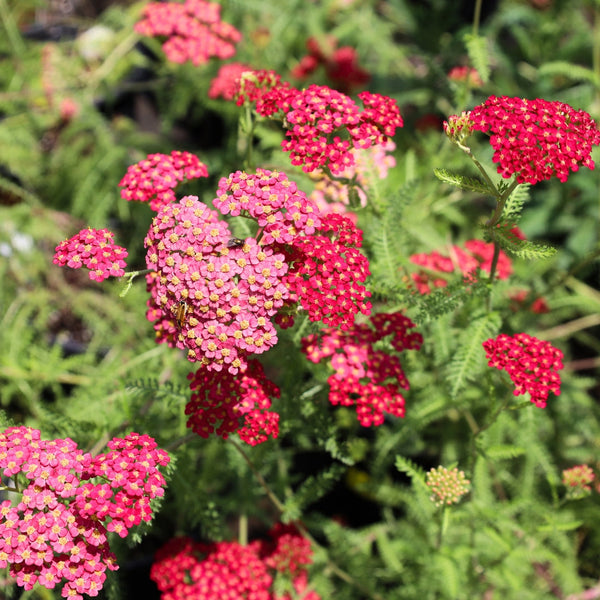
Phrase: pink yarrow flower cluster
(154, 179)
(370, 379)
(57, 533)
(532, 364)
(208, 296)
(323, 125)
(475, 255)
(184, 568)
(223, 403)
(536, 139)
(193, 29)
(94, 249)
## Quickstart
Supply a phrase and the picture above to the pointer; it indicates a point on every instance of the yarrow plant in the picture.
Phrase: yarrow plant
(193, 29)
(94, 249)
(153, 179)
(364, 376)
(184, 568)
(577, 480)
(57, 533)
(534, 140)
(447, 486)
(532, 364)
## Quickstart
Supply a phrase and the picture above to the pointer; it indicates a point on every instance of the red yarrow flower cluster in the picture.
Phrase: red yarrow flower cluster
(475, 255)
(340, 64)
(223, 403)
(532, 364)
(194, 30)
(208, 296)
(536, 139)
(154, 179)
(327, 273)
(363, 376)
(323, 125)
(184, 568)
(577, 480)
(94, 249)
(49, 537)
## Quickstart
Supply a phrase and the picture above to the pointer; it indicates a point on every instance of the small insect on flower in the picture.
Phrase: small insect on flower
(235, 242)
(181, 309)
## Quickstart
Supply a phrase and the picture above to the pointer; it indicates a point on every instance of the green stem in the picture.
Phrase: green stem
(477, 17)
(302, 529)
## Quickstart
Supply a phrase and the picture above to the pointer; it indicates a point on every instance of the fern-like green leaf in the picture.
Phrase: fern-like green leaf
(477, 49)
(470, 184)
(470, 357)
(504, 451)
(514, 204)
(569, 71)
(524, 248)
(415, 472)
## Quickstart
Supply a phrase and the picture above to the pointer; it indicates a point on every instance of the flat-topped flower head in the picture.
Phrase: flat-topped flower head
(209, 296)
(323, 125)
(364, 377)
(532, 364)
(223, 403)
(447, 486)
(281, 210)
(328, 272)
(578, 481)
(57, 533)
(94, 249)
(193, 29)
(536, 139)
(155, 178)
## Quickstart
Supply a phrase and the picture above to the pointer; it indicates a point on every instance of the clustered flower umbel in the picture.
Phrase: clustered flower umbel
(532, 364)
(476, 254)
(322, 125)
(532, 139)
(57, 533)
(221, 400)
(448, 486)
(184, 568)
(364, 376)
(193, 29)
(94, 249)
(154, 179)
(577, 480)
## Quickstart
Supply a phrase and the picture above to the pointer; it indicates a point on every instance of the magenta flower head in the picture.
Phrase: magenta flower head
(57, 533)
(193, 29)
(209, 296)
(154, 179)
(536, 139)
(94, 249)
(532, 364)
(370, 379)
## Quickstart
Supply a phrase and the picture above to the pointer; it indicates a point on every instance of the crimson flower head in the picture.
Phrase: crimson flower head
(193, 29)
(363, 376)
(532, 364)
(223, 403)
(536, 139)
(154, 178)
(226, 84)
(94, 249)
(323, 125)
